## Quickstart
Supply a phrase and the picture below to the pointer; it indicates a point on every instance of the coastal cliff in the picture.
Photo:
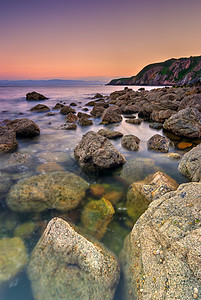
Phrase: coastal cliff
(180, 71)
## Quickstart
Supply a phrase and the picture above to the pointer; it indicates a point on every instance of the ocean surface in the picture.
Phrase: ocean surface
(57, 146)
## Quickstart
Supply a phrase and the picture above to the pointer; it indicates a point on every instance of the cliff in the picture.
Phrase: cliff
(180, 71)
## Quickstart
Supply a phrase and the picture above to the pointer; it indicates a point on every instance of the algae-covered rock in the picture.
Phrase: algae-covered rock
(97, 190)
(13, 258)
(25, 230)
(57, 190)
(161, 256)
(114, 196)
(66, 266)
(49, 167)
(96, 216)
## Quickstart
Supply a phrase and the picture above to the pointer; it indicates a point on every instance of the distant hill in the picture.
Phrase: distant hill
(51, 82)
(171, 72)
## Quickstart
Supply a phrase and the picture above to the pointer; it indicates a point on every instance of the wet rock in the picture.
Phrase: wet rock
(25, 230)
(50, 114)
(40, 108)
(96, 216)
(58, 106)
(156, 125)
(95, 152)
(130, 142)
(97, 190)
(35, 96)
(5, 184)
(130, 109)
(158, 143)
(85, 109)
(111, 115)
(13, 258)
(58, 190)
(174, 155)
(83, 115)
(161, 256)
(85, 270)
(71, 118)
(144, 114)
(184, 145)
(110, 134)
(85, 121)
(114, 196)
(91, 103)
(24, 128)
(134, 121)
(8, 140)
(73, 104)
(98, 95)
(49, 167)
(190, 165)
(187, 122)
(98, 110)
(68, 126)
(66, 110)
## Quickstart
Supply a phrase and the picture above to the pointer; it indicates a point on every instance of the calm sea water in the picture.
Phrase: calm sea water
(55, 145)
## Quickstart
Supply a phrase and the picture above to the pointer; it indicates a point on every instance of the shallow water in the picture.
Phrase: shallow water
(57, 146)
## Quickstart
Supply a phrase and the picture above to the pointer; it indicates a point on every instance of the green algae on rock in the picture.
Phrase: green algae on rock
(96, 216)
(57, 190)
(25, 230)
(13, 258)
(66, 266)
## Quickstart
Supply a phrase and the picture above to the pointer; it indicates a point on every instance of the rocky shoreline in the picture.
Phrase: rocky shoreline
(161, 255)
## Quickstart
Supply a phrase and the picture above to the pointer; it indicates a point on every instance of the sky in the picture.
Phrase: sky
(90, 39)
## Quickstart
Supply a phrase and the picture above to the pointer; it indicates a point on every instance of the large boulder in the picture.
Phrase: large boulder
(161, 258)
(35, 96)
(187, 122)
(111, 115)
(57, 190)
(8, 140)
(158, 143)
(66, 266)
(95, 152)
(190, 165)
(24, 127)
(13, 258)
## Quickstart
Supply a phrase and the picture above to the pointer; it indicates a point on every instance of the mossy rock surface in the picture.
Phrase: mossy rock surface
(25, 230)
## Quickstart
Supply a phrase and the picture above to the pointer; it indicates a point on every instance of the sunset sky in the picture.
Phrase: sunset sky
(42, 39)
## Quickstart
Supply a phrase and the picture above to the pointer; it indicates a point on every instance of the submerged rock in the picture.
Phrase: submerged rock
(190, 165)
(57, 190)
(130, 142)
(110, 134)
(187, 122)
(96, 216)
(24, 127)
(25, 230)
(161, 256)
(13, 258)
(40, 107)
(66, 266)
(35, 96)
(95, 152)
(5, 184)
(158, 143)
(8, 140)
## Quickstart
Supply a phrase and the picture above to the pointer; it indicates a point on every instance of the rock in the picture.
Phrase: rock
(73, 104)
(130, 109)
(49, 167)
(68, 126)
(96, 216)
(174, 155)
(98, 95)
(24, 128)
(50, 114)
(5, 184)
(130, 142)
(66, 110)
(13, 258)
(58, 106)
(25, 230)
(114, 196)
(190, 165)
(134, 121)
(184, 145)
(85, 270)
(95, 152)
(71, 118)
(187, 122)
(156, 125)
(111, 115)
(98, 110)
(110, 134)
(161, 256)
(97, 190)
(85, 122)
(8, 140)
(83, 115)
(158, 143)
(85, 109)
(35, 96)
(40, 108)
(91, 103)
(58, 190)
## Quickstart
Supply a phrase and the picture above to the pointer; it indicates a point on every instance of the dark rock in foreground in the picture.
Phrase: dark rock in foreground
(35, 96)
(190, 165)
(23, 127)
(161, 256)
(95, 152)
(158, 143)
(8, 140)
(187, 122)
(66, 266)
